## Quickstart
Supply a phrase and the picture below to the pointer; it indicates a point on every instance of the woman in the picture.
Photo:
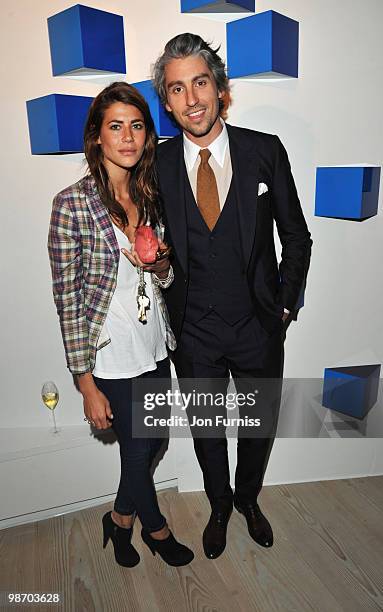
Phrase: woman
(96, 291)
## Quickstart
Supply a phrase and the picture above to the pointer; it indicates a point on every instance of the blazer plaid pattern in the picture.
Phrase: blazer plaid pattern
(84, 257)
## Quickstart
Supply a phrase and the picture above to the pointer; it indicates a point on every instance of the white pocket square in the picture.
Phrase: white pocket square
(262, 188)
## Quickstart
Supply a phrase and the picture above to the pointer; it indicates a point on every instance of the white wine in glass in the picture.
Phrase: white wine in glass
(50, 395)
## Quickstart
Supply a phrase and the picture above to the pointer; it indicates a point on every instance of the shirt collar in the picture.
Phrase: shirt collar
(217, 148)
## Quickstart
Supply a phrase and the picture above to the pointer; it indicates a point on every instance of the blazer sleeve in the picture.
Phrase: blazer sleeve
(64, 247)
(292, 230)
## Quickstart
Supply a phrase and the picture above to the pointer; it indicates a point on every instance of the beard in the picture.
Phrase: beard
(202, 129)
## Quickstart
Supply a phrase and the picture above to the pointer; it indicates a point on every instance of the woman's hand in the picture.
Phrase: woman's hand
(160, 267)
(133, 257)
(96, 406)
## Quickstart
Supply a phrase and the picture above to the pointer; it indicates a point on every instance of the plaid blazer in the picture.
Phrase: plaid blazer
(84, 256)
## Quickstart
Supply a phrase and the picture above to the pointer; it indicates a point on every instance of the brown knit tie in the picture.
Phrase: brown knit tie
(207, 192)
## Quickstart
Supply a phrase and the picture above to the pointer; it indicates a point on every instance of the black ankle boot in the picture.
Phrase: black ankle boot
(171, 551)
(124, 552)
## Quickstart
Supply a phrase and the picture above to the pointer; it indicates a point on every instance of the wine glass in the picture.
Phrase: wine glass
(50, 396)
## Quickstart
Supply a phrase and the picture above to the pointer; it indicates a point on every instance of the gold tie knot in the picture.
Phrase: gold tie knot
(204, 155)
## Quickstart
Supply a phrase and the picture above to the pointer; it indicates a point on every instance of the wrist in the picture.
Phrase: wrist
(166, 281)
(86, 383)
(164, 274)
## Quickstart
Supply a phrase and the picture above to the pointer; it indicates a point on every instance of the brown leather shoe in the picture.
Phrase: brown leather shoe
(214, 535)
(258, 525)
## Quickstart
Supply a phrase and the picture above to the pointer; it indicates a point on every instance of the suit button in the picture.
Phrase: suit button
(212, 255)
(211, 306)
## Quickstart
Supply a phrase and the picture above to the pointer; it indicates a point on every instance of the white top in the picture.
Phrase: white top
(135, 347)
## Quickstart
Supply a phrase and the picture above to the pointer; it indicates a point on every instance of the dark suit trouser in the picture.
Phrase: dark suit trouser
(211, 349)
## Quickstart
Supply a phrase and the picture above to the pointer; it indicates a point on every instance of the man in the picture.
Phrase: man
(223, 187)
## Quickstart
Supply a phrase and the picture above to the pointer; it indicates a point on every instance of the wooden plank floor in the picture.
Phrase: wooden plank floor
(327, 557)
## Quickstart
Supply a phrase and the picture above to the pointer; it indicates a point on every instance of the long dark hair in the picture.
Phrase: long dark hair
(143, 184)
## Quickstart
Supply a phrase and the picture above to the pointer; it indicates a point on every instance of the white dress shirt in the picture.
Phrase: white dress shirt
(220, 162)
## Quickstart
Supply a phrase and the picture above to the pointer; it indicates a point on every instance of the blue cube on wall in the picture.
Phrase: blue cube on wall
(85, 40)
(262, 45)
(56, 123)
(351, 390)
(164, 126)
(347, 192)
(217, 6)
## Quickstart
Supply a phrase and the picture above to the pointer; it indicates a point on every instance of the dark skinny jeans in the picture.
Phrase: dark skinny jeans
(136, 493)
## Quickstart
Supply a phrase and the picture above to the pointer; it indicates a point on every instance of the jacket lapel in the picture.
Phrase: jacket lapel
(173, 177)
(101, 217)
(245, 165)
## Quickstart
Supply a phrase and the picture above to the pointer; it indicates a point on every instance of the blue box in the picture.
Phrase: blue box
(165, 128)
(217, 6)
(56, 123)
(264, 44)
(86, 40)
(351, 390)
(347, 192)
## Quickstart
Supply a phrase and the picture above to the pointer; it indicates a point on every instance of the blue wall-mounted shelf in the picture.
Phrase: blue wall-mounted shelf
(164, 125)
(263, 45)
(347, 192)
(217, 6)
(56, 123)
(84, 40)
(351, 390)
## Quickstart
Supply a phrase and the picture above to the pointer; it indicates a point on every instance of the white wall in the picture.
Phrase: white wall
(330, 115)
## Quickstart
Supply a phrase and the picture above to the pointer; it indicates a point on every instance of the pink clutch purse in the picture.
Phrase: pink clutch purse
(146, 244)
